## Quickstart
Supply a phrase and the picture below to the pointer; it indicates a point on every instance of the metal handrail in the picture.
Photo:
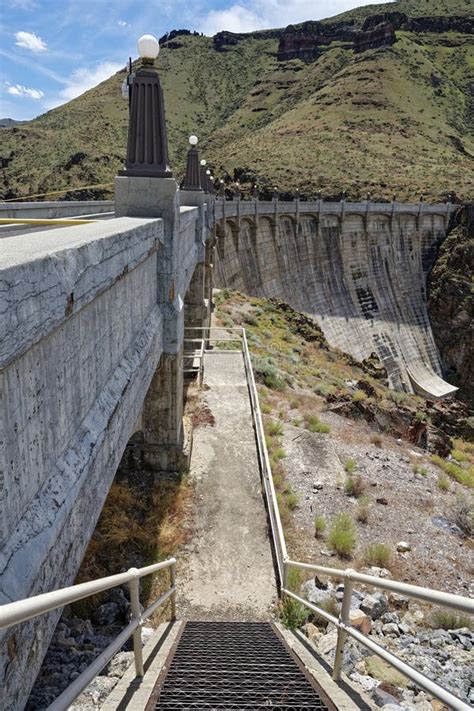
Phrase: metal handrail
(14, 613)
(346, 629)
(272, 501)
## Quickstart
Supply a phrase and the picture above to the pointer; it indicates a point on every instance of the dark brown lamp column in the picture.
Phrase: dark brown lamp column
(203, 175)
(147, 147)
(192, 179)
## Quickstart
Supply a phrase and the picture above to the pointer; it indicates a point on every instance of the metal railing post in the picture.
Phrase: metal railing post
(173, 585)
(341, 633)
(284, 582)
(134, 586)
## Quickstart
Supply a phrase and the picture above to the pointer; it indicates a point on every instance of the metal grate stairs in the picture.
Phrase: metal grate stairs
(233, 665)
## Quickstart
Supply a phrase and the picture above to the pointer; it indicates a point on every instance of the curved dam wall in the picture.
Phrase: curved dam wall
(359, 270)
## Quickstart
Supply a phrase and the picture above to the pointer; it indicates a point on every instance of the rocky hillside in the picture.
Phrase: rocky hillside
(379, 100)
(451, 303)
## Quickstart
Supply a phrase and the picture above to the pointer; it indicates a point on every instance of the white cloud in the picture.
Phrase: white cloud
(246, 16)
(123, 23)
(236, 19)
(83, 79)
(28, 40)
(20, 90)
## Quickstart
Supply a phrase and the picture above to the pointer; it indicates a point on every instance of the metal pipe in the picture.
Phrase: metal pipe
(173, 587)
(15, 612)
(341, 633)
(436, 597)
(134, 586)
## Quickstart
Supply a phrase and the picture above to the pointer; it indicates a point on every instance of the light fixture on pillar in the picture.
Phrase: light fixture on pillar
(222, 189)
(192, 179)
(202, 173)
(147, 146)
(275, 193)
(255, 192)
(208, 181)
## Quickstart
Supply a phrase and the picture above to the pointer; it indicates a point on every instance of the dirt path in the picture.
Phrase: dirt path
(227, 569)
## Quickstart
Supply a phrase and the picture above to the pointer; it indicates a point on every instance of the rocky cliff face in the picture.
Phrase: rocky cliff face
(451, 303)
(305, 41)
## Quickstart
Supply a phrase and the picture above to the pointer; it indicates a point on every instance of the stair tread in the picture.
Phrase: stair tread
(235, 665)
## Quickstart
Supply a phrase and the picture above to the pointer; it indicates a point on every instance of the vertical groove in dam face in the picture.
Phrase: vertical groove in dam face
(362, 278)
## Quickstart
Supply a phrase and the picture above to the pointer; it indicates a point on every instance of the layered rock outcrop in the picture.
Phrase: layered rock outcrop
(451, 303)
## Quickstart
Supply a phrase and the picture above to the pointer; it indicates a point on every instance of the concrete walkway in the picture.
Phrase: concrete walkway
(226, 570)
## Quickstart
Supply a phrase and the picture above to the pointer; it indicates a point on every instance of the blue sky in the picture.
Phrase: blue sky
(53, 50)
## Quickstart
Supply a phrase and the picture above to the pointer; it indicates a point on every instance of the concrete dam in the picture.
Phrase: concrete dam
(359, 269)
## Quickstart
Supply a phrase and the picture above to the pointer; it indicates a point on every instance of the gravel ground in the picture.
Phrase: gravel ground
(416, 510)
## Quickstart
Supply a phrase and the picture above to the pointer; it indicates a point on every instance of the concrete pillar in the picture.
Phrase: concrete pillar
(162, 444)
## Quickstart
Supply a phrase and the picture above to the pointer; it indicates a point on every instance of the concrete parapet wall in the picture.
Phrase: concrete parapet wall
(81, 340)
(57, 209)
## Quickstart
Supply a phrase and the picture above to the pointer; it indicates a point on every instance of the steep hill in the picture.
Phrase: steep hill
(389, 119)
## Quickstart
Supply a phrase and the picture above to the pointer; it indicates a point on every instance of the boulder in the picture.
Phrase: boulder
(374, 605)
(403, 547)
(328, 642)
(119, 664)
(313, 633)
(391, 629)
(360, 621)
(106, 614)
(382, 670)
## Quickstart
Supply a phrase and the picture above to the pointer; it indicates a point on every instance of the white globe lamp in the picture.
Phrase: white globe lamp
(148, 48)
(193, 140)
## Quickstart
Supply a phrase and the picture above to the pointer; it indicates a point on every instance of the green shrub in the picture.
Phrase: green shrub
(459, 456)
(397, 397)
(462, 513)
(354, 486)
(250, 319)
(291, 500)
(342, 536)
(359, 396)
(378, 554)
(265, 408)
(421, 416)
(274, 428)
(456, 471)
(363, 506)
(319, 525)
(350, 466)
(293, 613)
(448, 620)
(266, 371)
(377, 440)
(279, 453)
(443, 482)
(324, 390)
(314, 425)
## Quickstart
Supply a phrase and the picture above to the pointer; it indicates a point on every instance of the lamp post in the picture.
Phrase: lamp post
(192, 179)
(202, 174)
(147, 146)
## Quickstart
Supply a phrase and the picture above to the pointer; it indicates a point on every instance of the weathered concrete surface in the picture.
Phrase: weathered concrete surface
(49, 210)
(360, 274)
(226, 570)
(91, 331)
(78, 351)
